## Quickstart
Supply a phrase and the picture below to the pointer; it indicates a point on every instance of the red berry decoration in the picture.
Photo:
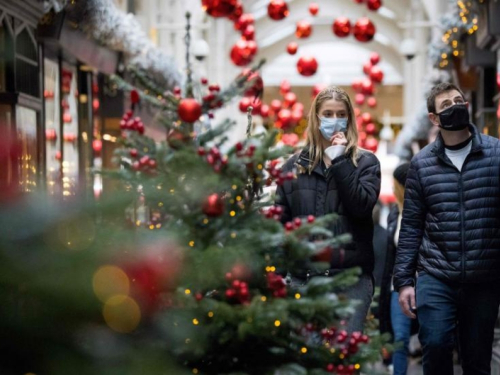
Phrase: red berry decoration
(364, 30)
(264, 111)
(240, 53)
(134, 96)
(244, 104)
(307, 66)
(276, 105)
(219, 8)
(367, 87)
(374, 4)
(292, 47)
(341, 27)
(313, 9)
(311, 219)
(189, 110)
(204, 81)
(370, 128)
(133, 153)
(238, 11)
(257, 85)
(277, 10)
(284, 119)
(248, 33)
(372, 102)
(290, 99)
(213, 205)
(374, 58)
(371, 144)
(359, 99)
(303, 30)
(244, 21)
(376, 74)
(367, 67)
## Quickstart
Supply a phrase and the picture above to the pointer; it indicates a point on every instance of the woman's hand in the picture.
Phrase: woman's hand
(338, 139)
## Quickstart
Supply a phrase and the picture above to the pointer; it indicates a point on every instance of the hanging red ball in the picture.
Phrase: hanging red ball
(370, 128)
(252, 47)
(249, 33)
(134, 96)
(313, 8)
(292, 47)
(264, 111)
(189, 110)
(275, 105)
(371, 144)
(219, 8)
(245, 20)
(367, 67)
(285, 118)
(303, 29)
(356, 85)
(285, 87)
(213, 205)
(256, 105)
(341, 27)
(374, 58)
(290, 99)
(244, 104)
(376, 74)
(317, 88)
(277, 10)
(240, 53)
(257, 84)
(97, 146)
(359, 99)
(307, 66)
(374, 4)
(367, 87)
(372, 102)
(364, 30)
(238, 11)
(366, 117)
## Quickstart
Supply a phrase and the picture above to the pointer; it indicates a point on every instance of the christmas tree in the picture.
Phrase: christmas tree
(182, 269)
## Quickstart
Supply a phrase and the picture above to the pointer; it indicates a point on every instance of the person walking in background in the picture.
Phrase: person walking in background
(392, 319)
(335, 176)
(450, 236)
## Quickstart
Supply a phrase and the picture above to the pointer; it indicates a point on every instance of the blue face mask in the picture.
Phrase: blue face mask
(332, 125)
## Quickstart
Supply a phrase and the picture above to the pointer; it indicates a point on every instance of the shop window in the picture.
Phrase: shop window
(27, 69)
(26, 128)
(52, 127)
(6, 57)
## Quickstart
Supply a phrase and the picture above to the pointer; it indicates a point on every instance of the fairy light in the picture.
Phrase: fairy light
(297, 296)
(191, 243)
(303, 350)
(277, 323)
(210, 314)
(232, 213)
(233, 235)
(263, 298)
(195, 322)
(187, 291)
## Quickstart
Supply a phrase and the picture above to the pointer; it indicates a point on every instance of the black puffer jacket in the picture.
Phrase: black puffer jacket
(343, 188)
(451, 219)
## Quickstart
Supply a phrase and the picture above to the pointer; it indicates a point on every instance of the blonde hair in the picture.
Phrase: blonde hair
(314, 136)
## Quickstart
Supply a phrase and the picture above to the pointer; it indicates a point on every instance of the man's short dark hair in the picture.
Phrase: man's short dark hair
(439, 89)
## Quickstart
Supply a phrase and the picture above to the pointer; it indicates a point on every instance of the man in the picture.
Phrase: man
(450, 237)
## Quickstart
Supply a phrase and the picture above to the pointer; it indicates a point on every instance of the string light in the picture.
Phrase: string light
(277, 323)
(196, 322)
(187, 291)
(210, 314)
(303, 350)
(263, 298)
(191, 243)
(297, 295)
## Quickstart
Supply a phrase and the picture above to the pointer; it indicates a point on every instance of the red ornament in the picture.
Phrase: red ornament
(277, 10)
(366, 117)
(58, 155)
(297, 116)
(374, 4)
(213, 205)
(374, 58)
(376, 74)
(317, 88)
(290, 99)
(364, 30)
(359, 1)
(219, 8)
(285, 118)
(307, 66)
(244, 104)
(367, 68)
(371, 144)
(298, 107)
(367, 87)
(285, 87)
(324, 255)
(189, 110)
(248, 33)
(370, 128)
(244, 21)
(290, 139)
(238, 11)
(313, 8)
(241, 53)
(50, 134)
(67, 118)
(95, 104)
(97, 146)
(134, 96)
(303, 30)
(359, 99)
(356, 85)
(256, 105)
(264, 111)
(292, 47)
(257, 84)
(341, 27)
(275, 105)
(372, 102)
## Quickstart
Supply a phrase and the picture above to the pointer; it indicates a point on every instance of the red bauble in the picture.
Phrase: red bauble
(317, 88)
(264, 111)
(238, 11)
(219, 8)
(367, 87)
(275, 105)
(366, 117)
(313, 9)
(303, 30)
(359, 99)
(213, 205)
(290, 99)
(373, 4)
(376, 74)
(252, 47)
(356, 85)
(371, 144)
(134, 96)
(256, 105)
(370, 128)
(244, 21)
(292, 47)
(359, 1)
(244, 104)
(285, 118)
(50, 134)
(364, 30)
(372, 102)
(257, 84)
(307, 66)
(189, 110)
(297, 116)
(367, 67)
(341, 27)
(374, 58)
(298, 107)
(324, 255)
(285, 87)
(290, 139)
(67, 118)
(249, 33)
(241, 54)
(277, 10)
(97, 146)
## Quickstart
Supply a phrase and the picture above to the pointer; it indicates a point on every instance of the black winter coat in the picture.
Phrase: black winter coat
(343, 188)
(451, 219)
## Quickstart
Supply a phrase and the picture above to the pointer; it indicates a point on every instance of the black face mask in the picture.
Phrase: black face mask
(454, 118)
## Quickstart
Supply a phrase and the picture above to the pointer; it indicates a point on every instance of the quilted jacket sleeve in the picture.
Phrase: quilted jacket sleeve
(359, 186)
(411, 233)
(281, 200)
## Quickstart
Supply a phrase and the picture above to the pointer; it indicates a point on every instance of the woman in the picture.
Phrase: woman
(392, 319)
(335, 176)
